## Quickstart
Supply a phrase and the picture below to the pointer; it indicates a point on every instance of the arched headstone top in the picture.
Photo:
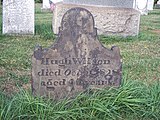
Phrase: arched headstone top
(79, 19)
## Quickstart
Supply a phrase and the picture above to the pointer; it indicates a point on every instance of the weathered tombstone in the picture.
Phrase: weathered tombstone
(45, 5)
(111, 3)
(150, 4)
(18, 17)
(108, 20)
(76, 61)
(141, 5)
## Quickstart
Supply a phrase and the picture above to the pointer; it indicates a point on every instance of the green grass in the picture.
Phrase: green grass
(138, 98)
(133, 100)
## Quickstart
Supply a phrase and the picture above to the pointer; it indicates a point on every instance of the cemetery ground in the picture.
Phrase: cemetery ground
(137, 98)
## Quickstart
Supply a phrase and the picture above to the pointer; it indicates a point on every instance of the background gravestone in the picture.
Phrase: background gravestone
(113, 3)
(56, 1)
(108, 20)
(18, 17)
(45, 5)
(141, 5)
(76, 61)
(150, 4)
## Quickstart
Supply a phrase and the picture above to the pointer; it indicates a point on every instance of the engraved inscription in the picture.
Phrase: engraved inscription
(80, 61)
(76, 61)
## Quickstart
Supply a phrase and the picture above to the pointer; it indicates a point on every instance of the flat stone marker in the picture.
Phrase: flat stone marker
(76, 61)
(18, 17)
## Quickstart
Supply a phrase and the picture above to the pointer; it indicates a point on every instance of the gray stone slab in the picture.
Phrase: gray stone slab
(77, 61)
(18, 17)
(108, 20)
(113, 3)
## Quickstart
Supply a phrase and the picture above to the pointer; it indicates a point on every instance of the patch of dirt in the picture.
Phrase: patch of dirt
(9, 88)
(156, 31)
(26, 86)
(2, 72)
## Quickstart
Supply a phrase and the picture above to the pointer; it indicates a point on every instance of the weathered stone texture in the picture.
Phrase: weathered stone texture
(113, 3)
(18, 17)
(77, 61)
(108, 20)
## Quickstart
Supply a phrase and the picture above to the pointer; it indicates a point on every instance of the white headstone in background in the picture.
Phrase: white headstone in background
(56, 1)
(46, 4)
(150, 4)
(18, 17)
(158, 2)
(108, 20)
(112, 3)
(141, 5)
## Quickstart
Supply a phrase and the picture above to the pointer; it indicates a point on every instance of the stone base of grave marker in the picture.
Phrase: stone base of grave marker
(108, 20)
(77, 61)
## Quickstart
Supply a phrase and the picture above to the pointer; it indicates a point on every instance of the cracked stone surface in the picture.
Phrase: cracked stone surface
(77, 61)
